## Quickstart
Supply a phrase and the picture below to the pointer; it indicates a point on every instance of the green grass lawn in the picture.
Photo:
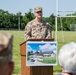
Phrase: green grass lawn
(48, 60)
(19, 38)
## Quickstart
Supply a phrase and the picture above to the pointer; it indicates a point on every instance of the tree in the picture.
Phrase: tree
(28, 16)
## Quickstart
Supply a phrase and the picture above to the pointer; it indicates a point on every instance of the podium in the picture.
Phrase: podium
(33, 70)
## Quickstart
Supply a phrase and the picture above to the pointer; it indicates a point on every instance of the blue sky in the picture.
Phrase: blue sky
(49, 6)
(41, 46)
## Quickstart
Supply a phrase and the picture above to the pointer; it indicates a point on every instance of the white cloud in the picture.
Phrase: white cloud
(29, 48)
(47, 46)
(55, 51)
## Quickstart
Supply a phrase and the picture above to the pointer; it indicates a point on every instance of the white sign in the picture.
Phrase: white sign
(41, 53)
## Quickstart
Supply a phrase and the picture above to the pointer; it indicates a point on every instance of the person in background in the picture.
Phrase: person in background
(6, 63)
(37, 28)
(67, 59)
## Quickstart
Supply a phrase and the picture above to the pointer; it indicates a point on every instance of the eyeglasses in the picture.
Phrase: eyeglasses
(39, 12)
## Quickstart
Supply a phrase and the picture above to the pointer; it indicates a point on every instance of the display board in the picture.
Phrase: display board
(41, 53)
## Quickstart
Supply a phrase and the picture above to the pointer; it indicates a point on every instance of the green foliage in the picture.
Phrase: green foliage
(28, 17)
(10, 21)
(66, 22)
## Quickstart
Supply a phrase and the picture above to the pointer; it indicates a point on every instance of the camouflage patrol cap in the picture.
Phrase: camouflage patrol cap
(5, 47)
(37, 9)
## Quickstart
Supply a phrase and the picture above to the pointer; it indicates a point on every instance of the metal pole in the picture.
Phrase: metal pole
(56, 19)
(62, 29)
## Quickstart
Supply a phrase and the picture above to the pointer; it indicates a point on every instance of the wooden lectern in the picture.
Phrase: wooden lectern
(33, 70)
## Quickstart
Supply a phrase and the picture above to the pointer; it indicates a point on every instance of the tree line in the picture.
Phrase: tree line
(12, 21)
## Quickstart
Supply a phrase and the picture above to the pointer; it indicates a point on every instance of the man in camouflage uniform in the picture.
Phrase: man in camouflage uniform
(6, 64)
(37, 28)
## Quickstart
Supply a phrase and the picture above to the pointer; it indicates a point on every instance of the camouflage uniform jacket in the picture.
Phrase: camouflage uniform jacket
(35, 30)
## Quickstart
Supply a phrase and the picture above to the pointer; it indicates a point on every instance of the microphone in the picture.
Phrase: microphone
(48, 24)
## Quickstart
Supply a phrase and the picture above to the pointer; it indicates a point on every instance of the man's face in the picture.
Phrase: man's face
(38, 14)
(6, 68)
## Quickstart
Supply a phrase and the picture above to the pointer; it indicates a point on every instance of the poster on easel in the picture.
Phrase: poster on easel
(41, 53)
